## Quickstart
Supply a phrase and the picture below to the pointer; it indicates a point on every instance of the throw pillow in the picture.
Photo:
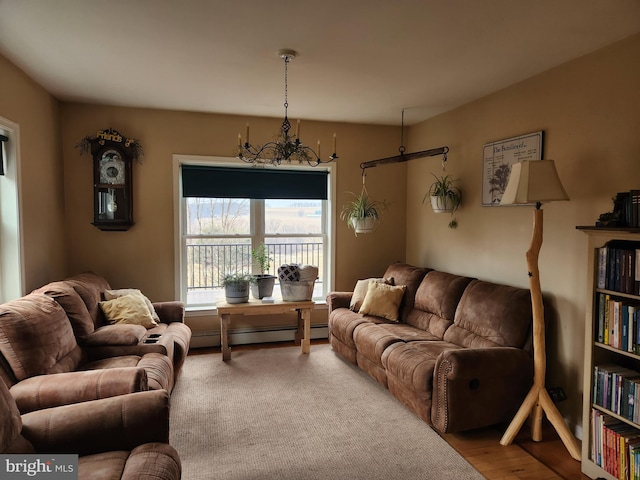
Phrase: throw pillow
(112, 294)
(129, 309)
(360, 291)
(383, 300)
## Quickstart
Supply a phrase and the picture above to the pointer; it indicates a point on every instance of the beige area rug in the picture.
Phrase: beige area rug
(278, 414)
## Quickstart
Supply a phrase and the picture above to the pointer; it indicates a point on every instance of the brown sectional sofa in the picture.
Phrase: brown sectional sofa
(56, 348)
(120, 437)
(460, 355)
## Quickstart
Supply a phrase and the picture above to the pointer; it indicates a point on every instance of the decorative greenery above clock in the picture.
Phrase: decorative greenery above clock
(111, 135)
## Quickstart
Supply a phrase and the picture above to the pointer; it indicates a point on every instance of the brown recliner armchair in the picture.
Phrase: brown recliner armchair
(44, 366)
(124, 437)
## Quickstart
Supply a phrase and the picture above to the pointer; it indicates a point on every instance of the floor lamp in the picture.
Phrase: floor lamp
(536, 182)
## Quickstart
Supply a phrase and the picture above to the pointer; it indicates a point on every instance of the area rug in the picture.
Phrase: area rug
(278, 414)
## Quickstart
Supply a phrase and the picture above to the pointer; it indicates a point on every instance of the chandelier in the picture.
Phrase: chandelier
(285, 147)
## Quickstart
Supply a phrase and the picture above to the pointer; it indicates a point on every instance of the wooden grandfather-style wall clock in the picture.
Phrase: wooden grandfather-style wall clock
(112, 176)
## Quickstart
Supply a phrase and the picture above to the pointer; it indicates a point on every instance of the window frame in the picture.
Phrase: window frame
(12, 268)
(180, 273)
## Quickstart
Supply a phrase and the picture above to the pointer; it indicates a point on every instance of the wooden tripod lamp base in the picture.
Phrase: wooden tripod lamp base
(538, 399)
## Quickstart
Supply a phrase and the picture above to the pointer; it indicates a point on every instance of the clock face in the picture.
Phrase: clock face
(112, 168)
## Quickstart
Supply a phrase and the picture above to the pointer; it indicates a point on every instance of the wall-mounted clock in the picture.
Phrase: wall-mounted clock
(112, 193)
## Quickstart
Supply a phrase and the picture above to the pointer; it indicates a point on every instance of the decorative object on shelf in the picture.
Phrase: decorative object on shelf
(363, 212)
(535, 182)
(625, 213)
(286, 148)
(403, 157)
(262, 284)
(498, 157)
(444, 196)
(236, 287)
(112, 192)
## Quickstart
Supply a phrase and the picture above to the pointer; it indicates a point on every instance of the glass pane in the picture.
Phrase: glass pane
(293, 216)
(208, 261)
(217, 216)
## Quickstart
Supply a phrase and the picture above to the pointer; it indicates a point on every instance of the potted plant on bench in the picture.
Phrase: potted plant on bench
(262, 284)
(236, 287)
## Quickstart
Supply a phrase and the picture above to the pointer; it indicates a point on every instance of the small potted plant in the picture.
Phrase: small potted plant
(444, 196)
(236, 287)
(262, 284)
(362, 212)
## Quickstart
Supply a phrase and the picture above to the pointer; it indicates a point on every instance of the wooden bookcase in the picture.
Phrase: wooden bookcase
(599, 353)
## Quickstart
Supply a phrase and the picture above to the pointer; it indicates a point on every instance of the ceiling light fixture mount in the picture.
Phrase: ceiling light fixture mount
(286, 147)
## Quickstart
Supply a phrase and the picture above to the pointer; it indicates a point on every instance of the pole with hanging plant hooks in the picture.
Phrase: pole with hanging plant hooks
(403, 157)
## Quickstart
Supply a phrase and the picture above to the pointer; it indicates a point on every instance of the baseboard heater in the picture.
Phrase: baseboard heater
(211, 338)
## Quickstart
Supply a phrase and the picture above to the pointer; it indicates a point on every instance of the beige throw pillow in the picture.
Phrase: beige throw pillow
(383, 300)
(360, 291)
(130, 309)
(112, 294)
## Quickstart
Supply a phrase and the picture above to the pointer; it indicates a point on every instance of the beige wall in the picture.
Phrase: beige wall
(144, 256)
(589, 110)
(25, 103)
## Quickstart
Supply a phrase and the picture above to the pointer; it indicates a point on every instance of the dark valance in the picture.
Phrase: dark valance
(228, 182)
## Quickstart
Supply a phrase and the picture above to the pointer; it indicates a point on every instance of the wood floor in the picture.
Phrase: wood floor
(522, 460)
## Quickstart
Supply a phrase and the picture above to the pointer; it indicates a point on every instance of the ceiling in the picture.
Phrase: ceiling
(360, 61)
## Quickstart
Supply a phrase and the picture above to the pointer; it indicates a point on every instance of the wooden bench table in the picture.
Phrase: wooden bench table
(256, 307)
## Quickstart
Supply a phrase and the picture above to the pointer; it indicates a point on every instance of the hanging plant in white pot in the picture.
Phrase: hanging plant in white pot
(362, 212)
(444, 196)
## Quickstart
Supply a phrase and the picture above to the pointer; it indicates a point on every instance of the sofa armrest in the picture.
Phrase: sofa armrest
(338, 300)
(52, 390)
(478, 387)
(169, 312)
(110, 424)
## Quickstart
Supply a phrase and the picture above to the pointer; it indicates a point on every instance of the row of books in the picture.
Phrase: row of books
(618, 269)
(618, 323)
(615, 446)
(627, 204)
(617, 389)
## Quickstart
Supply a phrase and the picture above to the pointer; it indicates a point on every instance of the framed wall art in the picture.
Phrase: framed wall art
(497, 159)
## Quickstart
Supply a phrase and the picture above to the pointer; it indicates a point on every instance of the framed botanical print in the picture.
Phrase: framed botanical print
(497, 159)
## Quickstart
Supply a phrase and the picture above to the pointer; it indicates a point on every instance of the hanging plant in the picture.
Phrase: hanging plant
(362, 212)
(444, 197)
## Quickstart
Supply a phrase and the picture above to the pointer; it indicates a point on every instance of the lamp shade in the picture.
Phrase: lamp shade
(533, 181)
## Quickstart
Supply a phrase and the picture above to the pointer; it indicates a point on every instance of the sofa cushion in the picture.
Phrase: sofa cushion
(118, 334)
(410, 276)
(73, 305)
(36, 337)
(360, 291)
(128, 309)
(491, 315)
(90, 286)
(436, 301)
(383, 300)
(113, 294)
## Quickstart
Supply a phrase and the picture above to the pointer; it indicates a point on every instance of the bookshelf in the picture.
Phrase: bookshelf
(611, 398)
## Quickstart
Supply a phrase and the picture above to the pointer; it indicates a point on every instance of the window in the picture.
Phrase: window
(11, 263)
(225, 212)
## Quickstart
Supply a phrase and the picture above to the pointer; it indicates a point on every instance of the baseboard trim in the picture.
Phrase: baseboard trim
(211, 338)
